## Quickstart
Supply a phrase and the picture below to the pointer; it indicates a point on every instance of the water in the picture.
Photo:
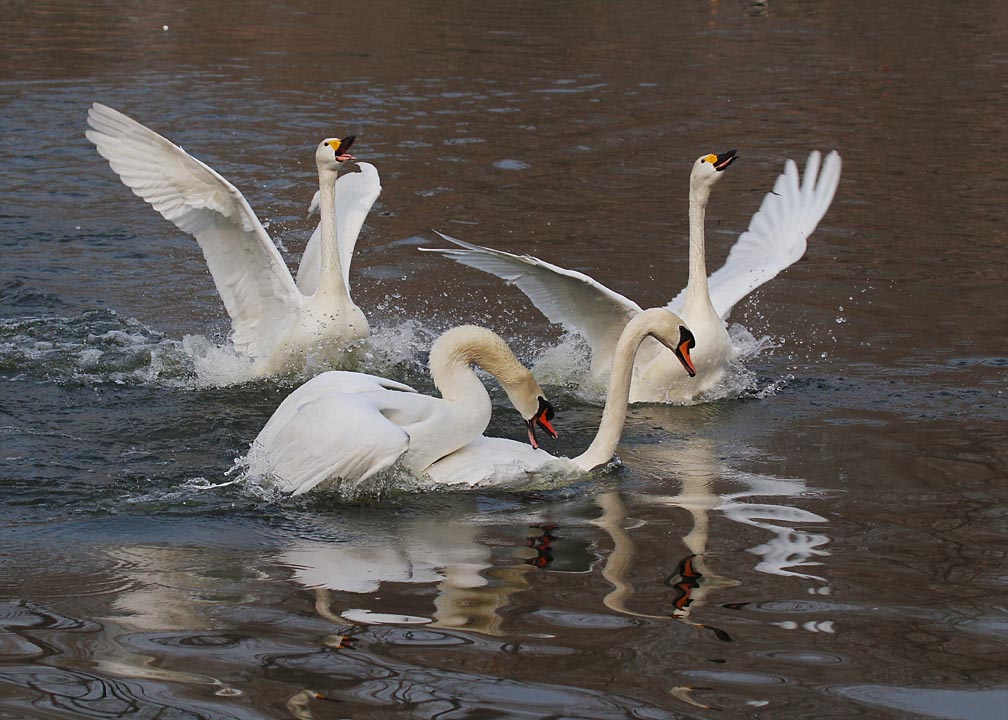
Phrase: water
(825, 540)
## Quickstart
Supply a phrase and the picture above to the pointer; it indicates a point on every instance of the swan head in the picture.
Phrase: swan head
(670, 330)
(542, 416)
(682, 349)
(708, 168)
(331, 153)
(467, 345)
(529, 399)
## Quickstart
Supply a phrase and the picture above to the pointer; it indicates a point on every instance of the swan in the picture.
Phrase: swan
(776, 238)
(275, 319)
(498, 461)
(344, 427)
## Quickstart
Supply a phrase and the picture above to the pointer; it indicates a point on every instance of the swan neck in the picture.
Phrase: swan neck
(603, 447)
(696, 286)
(456, 351)
(331, 277)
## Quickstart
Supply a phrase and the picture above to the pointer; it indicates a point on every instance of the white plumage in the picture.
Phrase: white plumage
(342, 428)
(776, 238)
(273, 319)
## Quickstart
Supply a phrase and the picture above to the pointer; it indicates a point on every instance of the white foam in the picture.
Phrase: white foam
(568, 365)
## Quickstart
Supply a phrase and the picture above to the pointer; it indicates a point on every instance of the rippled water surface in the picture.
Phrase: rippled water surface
(825, 538)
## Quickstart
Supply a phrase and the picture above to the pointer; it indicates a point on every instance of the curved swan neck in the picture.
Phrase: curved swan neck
(331, 275)
(603, 447)
(696, 286)
(454, 353)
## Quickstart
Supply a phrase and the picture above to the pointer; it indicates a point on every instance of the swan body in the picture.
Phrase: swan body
(344, 427)
(776, 238)
(275, 320)
(498, 461)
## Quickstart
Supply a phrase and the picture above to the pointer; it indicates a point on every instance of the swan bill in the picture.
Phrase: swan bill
(723, 160)
(341, 146)
(682, 350)
(542, 418)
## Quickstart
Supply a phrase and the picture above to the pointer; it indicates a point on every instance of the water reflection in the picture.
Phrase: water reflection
(441, 550)
(790, 547)
(694, 578)
(166, 594)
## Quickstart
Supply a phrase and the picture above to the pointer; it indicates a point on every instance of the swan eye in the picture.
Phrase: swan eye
(326, 143)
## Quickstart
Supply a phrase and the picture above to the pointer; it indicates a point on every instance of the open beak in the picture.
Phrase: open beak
(542, 419)
(682, 351)
(724, 160)
(344, 146)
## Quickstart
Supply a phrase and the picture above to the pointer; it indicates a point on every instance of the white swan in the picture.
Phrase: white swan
(497, 461)
(273, 319)
(344, 427)
(776, 238)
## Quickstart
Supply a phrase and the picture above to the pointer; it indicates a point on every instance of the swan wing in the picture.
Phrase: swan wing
(566, 297)
(777, 234)
(334, 436)
(356, 193)
(251, 276)
(331, 382)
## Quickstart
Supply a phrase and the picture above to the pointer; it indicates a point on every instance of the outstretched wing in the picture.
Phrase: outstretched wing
(566, 297)
(356, 193)
(251, 276)
(777, 233)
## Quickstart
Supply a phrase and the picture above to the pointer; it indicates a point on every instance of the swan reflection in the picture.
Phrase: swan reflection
(167, 592)
(445, 551)
(789, 551)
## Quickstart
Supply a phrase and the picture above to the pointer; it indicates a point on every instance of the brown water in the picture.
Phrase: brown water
(827, 540)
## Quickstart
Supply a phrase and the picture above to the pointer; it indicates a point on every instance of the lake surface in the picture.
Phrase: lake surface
(825, 538)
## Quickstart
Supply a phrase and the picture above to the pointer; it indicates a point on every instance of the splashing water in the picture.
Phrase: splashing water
(100, 346)
(567, 365)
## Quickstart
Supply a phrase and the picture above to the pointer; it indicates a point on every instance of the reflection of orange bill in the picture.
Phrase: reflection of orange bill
(689, 579)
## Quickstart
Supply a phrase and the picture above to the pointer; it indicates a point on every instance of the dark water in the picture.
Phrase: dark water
(827, 540)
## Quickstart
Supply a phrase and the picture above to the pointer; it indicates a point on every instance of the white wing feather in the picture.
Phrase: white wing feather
(777, 234)
(337, 436)
(566, 297)
(356, 193)
(251, 276)
(327, 429)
